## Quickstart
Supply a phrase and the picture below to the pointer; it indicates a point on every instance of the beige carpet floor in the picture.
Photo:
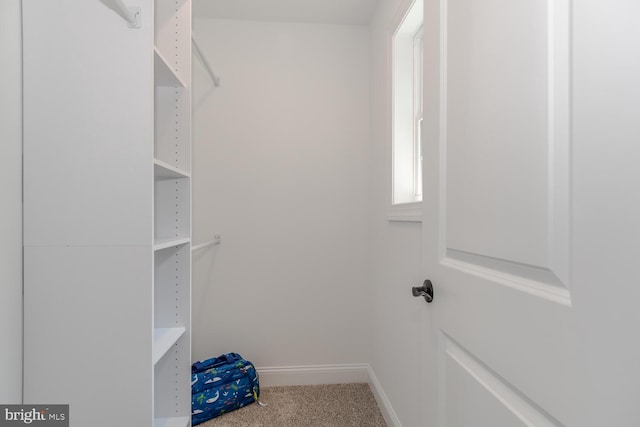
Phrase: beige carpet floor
(336, 405)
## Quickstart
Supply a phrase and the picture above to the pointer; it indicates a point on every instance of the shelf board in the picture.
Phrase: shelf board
(163, 170)
(163, 340)
(165, 75)
(171, 242)
(172, 422)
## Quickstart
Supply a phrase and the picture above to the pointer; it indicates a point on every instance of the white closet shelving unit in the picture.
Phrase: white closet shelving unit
(172, 213)
(107, 172)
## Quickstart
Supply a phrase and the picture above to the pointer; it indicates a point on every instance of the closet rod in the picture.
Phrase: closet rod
(204, 245)
(130, 14)
(216, 79)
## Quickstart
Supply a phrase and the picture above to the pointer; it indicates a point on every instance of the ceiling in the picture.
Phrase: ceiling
(347, 12)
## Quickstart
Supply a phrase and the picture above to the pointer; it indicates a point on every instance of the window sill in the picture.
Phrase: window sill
(405, 212)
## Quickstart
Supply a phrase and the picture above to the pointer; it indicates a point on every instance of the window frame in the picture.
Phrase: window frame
(406, 75)
(418, 76)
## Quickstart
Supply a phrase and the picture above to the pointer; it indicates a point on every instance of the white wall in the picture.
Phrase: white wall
(281, 163)
(398, 318)
(11, 206)
(310, 270)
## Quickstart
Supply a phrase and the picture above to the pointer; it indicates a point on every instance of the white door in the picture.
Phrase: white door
(532, 212)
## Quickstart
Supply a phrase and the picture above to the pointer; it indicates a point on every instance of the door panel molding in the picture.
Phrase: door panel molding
(537, 281)
(543, 271)
(507, 397)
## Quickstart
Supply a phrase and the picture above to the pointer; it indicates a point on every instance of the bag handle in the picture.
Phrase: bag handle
(213, 363)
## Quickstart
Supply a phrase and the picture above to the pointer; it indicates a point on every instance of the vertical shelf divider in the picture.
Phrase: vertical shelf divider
(172, 213)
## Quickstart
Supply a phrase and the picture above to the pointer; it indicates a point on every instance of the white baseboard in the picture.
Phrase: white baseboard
(330, 374)
(312, 375)
(384, 404)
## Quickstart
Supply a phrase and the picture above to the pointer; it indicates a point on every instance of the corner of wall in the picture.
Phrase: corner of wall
(383, 401)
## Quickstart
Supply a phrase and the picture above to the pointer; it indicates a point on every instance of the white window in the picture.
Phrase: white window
(407, 72)
(417, 115)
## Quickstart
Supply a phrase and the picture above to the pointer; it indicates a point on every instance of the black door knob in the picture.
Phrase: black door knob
(426, 291)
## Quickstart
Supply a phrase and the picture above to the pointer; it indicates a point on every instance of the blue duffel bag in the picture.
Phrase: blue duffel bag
(220, 385)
